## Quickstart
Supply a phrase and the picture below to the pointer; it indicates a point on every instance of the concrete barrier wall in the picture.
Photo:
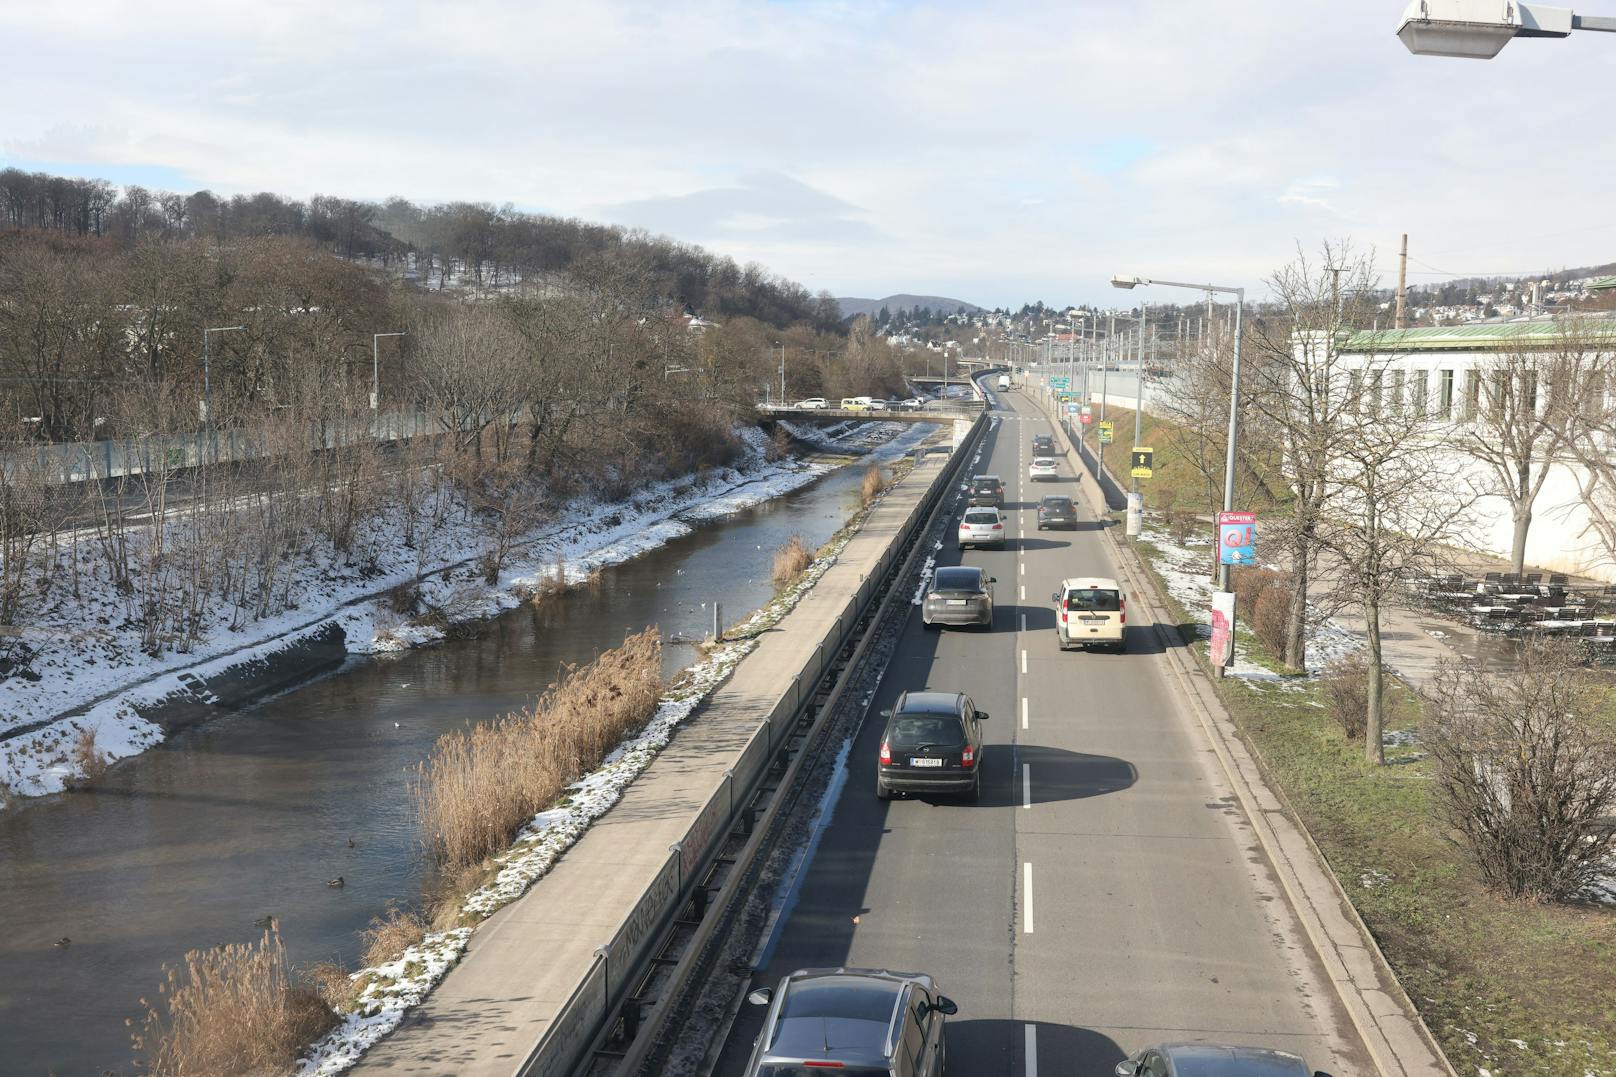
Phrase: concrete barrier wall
(609, 979)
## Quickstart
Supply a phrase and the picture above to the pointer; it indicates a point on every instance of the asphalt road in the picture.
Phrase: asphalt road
(1107, 893)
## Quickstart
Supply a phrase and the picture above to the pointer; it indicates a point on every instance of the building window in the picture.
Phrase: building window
(1444, 398)
(1472, 399)
(1419, 385)
(1499, 398)
(1529, 393)
(1375, 384)
(1394, 395)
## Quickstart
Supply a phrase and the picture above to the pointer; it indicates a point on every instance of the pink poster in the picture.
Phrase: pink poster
(1222, 628)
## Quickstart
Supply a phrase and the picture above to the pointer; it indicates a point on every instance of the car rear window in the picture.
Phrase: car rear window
(988, 517)
(938, 730)
(986, 484)
(1043, 461)
(958, 579)
(1096, 600)
(1057, 504)
(792, 1069)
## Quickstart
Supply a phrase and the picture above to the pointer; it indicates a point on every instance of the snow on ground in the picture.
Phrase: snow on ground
(391, 989)
(1183, 566)
(104, 671)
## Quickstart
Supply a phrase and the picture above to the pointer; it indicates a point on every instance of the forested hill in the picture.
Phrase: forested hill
(472, 243)
(851, 307)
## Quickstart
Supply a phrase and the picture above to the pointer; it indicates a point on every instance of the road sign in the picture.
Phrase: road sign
(1071, 409)
(1237, 538)
(1107, 433)
(1060, 382)
(1143, 461)
(1086, 417)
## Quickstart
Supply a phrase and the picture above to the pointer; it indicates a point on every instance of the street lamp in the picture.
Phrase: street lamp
(1479, 29)
(782, 348)
(1234, 391)
(376, 368)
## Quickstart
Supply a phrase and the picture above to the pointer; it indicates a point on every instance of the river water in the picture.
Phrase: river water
(250, 815)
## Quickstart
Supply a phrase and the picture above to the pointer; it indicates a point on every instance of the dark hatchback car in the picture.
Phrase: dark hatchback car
(1057, 512)
(868, 1022)
(958, 595)
(985, 490)
(932, 744)
(1043, 445)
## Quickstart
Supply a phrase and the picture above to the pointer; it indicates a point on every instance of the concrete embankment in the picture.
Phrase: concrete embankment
(539, 976)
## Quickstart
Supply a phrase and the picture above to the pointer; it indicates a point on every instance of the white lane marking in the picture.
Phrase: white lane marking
(1023, 712)
(1026, 898)
(1032, 1051)
(1023, 568)
(1026, 785)
(1024, 662)
(1023, 592)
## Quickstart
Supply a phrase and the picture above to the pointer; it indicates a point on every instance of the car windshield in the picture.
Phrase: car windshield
(982, 517)
(1098, 600)
(937, 730)
(957, 579)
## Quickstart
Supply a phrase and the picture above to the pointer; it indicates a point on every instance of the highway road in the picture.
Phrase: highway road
(1107, 893)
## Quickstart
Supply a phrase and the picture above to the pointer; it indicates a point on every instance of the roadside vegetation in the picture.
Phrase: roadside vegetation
(790, 561)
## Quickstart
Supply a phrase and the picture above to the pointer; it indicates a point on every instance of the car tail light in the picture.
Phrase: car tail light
(823, 1065)
(968, 757)
(1122, 608)
(997, 527)
(886, 754)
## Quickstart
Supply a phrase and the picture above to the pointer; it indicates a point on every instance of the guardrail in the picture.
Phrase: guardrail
(595, 1005)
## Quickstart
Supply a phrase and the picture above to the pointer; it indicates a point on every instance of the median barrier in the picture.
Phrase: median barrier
(591, 1009)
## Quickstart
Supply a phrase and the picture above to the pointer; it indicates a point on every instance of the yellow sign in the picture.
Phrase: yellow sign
(1107, 433)
(1143, 462)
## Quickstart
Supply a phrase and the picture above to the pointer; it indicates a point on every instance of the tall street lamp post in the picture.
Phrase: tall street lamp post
(1234, 392)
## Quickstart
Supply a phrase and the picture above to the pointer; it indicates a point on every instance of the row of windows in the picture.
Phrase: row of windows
(1445, 397)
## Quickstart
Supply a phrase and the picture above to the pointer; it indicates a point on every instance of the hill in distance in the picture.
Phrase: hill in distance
(852, 307)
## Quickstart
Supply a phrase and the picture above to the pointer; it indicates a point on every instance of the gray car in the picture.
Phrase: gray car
(1212, 1060)
(860, 1022)
(958, 595)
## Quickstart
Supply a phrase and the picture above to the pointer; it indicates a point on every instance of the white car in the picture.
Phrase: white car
(981, 526)
(1041, 468)
(813, 403)
(877, 404)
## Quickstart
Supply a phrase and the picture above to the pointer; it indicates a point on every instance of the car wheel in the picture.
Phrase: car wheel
(881, 790)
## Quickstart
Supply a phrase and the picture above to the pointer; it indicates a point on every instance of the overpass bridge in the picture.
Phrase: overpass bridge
(940, 411)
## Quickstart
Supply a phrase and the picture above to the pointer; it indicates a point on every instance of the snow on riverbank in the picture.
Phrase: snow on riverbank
(390, 990)
(1183, 567)
(105, 671)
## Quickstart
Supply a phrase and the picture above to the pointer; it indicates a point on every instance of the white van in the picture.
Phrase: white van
(1004, 383)
(1091, 611)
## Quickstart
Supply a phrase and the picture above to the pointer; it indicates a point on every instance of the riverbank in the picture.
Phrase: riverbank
(100, 682)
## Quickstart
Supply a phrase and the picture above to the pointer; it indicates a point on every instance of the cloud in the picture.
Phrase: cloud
(995, 152)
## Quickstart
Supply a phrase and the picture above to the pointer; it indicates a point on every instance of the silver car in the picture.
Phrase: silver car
(1212, 1060)
(1042, 467)
(859, 1022)
(982, 525)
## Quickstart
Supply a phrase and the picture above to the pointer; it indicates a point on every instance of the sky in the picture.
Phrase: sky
(991, 152)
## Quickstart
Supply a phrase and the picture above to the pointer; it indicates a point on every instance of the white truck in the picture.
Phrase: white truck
(1004, 383)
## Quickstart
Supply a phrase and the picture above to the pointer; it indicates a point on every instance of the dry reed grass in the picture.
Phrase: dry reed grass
(479, 786)
(873, 484)
(232, 1009)
(335, 986)
(790, 561)
(390, 934)
(92, 762)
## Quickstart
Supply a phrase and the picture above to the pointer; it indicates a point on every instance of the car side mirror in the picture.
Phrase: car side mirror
(1126, 1068)
(886, 713)
(993, 579)
(1055, 597)
(945, 1006)
(761, 997)
(981, 716)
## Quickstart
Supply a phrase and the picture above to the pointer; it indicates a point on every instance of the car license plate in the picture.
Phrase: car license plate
(956, 601)
(925, 762)
(1092, 620)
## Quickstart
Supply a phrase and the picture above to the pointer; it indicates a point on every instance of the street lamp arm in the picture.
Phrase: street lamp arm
(1607, 23)
(1131, 282)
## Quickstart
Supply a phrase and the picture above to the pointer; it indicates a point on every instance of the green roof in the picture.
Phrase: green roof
(1602, 283)
(1474, 336)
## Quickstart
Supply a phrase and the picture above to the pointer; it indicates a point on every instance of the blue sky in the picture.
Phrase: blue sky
(997, 153)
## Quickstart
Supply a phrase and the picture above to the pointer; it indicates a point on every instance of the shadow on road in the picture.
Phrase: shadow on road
(1000, 1046)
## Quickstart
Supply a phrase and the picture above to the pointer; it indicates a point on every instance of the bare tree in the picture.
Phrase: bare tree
(1396, 511)
(1542, 403)
(1525, 775)
(468, 367)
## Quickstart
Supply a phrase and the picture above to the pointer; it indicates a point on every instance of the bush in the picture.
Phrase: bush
(231, 1009)
(1524, 776)
(480, 786)
(390, 934)
(1346, 690)
(1270, 618)
(790, 561)
(873, 484)
(92, 762)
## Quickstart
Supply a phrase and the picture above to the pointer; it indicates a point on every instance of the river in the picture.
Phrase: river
(249, 815)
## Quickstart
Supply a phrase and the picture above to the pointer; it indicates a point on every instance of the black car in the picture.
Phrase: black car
(958, 595)
(1057, 512)
(932, 744)
(985, 490)
(1043, 445)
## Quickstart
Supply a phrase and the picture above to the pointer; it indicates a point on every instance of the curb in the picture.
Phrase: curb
(1388, 1024)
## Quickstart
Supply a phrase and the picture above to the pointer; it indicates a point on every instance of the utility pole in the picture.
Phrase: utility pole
(1402, 286)
(1105, 364)
(1136, 499)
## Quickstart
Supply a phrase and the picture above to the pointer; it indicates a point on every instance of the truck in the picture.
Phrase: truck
(1004, 383)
